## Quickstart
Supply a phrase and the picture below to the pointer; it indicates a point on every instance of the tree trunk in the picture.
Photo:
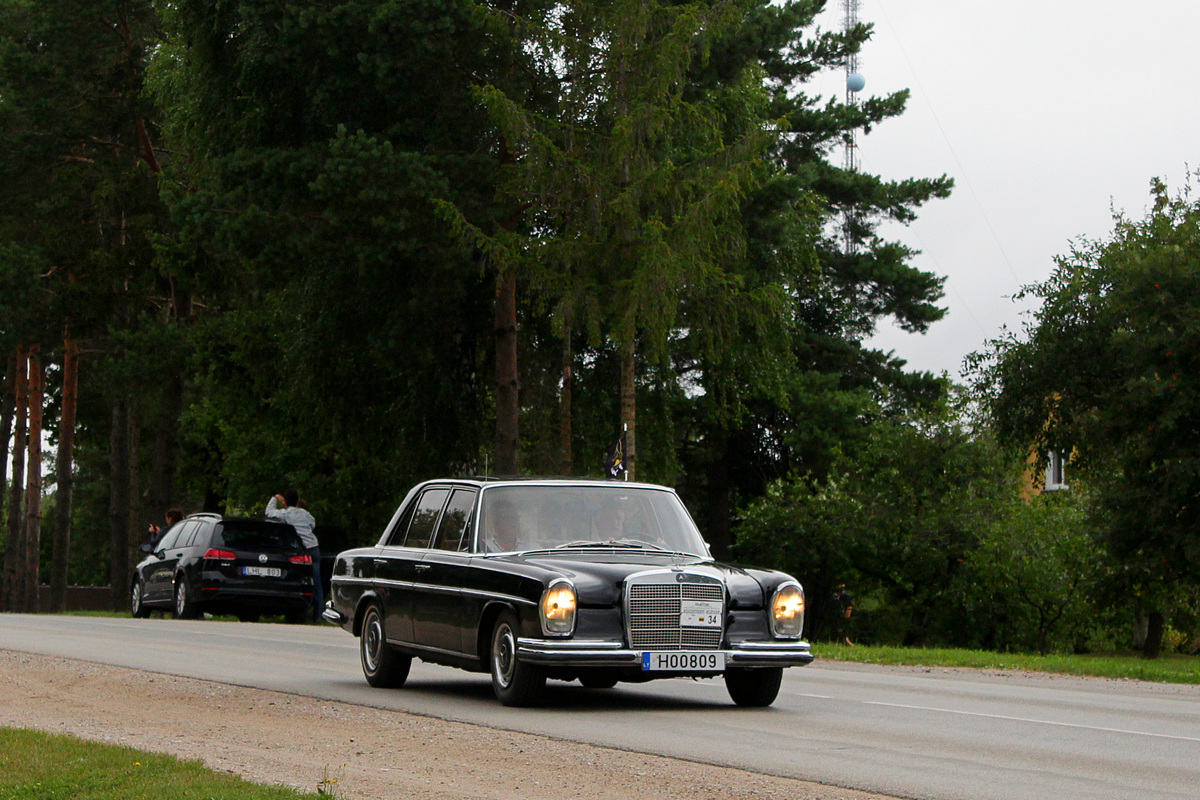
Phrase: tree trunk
(118, 505)
(629, 406)
(566, 457)
(14, 551)
(133, 515)
(718, 502)
(507, 401)
(8, 404)
(166, 436)
(161, 491)
(1141, 624)
(65, 478)
(33, 492)
(1154, 635)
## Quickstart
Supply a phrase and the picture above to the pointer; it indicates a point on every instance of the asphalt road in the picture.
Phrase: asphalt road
(943, 734)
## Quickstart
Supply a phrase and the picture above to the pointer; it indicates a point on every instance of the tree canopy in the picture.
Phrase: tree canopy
(251, 215)
(1106, 373)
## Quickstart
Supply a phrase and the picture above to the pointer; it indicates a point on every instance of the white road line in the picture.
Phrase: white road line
(1037, 721)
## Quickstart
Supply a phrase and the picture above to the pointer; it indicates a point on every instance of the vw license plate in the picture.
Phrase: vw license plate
(677, 661)
(263, 572)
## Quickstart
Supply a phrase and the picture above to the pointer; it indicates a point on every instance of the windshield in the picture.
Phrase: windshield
(538, 517)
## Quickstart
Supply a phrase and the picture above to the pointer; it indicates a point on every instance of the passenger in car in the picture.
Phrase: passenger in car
(504, 527)
(610, 523)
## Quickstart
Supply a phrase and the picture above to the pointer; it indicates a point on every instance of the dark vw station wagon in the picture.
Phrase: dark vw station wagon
(594, 581)
(206, 563)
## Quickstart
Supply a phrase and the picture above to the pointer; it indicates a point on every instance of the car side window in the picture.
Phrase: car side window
(400, 529)
(171, 538)
(189, 538)
(425, 517)
(201, 536)
(455, 519)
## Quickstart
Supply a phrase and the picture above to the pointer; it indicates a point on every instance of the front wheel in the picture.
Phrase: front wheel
(514, 682)
(185, 606)
(137, 605)
(382, 666)
(754, 688)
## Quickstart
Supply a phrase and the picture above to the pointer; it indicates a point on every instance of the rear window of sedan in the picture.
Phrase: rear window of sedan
(254, 535)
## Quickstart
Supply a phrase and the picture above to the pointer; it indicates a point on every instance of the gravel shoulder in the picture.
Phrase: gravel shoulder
(352, 751)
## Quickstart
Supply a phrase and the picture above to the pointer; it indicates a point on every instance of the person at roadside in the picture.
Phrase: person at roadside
(843, 605)
(155, 532)
(294, 514)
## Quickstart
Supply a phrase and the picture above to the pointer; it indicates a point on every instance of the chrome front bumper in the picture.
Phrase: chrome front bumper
(331, 614)
(574, 653)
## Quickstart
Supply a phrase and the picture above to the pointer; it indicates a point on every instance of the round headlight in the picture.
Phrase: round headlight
(787, 611)
(558, 609)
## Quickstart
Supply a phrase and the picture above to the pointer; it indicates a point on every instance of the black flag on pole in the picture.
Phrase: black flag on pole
(614, 465)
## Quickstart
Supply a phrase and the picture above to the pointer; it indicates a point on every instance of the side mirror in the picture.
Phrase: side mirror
(147, 548)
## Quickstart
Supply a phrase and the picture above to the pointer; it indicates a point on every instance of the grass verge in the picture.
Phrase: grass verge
(1165, 669)
(43, 766)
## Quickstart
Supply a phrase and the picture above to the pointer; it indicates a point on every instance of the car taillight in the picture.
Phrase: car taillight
(304, 559)
(219, 555)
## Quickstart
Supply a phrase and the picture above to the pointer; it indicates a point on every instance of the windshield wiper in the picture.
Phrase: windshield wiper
(635, 544)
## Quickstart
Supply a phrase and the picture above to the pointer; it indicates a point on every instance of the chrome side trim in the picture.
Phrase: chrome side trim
(424, 648)
(427, 587)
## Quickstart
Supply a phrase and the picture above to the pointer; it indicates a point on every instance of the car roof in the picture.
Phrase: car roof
(485, 482)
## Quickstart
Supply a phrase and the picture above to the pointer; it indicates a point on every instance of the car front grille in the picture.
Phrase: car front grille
(654, 613)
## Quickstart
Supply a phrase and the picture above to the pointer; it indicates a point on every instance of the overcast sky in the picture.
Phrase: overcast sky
(1048, 114)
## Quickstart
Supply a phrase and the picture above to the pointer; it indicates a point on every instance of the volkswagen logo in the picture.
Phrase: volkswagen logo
(262, 558)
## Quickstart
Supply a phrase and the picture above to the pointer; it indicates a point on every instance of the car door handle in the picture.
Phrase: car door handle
(421, 567)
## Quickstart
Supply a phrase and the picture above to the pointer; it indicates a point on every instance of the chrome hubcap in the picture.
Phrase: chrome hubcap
(372, 641)
(503, 650)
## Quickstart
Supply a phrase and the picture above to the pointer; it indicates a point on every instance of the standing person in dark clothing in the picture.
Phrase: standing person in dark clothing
(303, 522)
(843, 608)
(155, 532)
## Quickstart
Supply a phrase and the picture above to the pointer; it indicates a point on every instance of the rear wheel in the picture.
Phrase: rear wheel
(514, 682)
(753, 688)
(382, 665)
(185, 607)
(137, 607)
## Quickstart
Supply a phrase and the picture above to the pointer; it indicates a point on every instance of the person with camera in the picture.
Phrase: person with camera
(298, 517)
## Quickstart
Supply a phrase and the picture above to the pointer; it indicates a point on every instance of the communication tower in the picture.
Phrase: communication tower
(854, 84)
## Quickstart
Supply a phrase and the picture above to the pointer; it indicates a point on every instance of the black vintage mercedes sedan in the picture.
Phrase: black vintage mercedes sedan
(583, 580)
